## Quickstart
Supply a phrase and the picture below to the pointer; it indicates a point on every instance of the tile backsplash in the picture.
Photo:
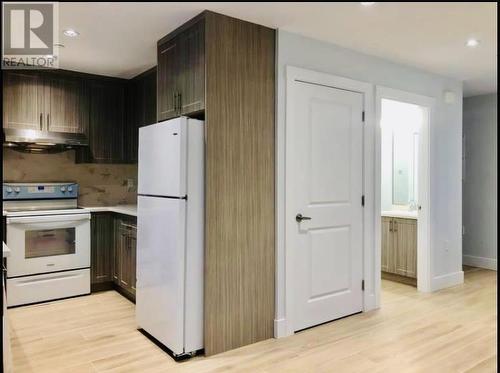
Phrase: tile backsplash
(100, 184)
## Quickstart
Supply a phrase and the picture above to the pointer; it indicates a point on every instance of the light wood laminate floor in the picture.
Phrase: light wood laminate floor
(453, 330)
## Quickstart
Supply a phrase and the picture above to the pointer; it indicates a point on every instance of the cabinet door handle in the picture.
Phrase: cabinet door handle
(390, 226)
(41, 120)
(175, 102)
(48, 121)
(179, 105)
(395, 226)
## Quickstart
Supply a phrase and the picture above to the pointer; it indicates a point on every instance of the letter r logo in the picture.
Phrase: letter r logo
(28, 28)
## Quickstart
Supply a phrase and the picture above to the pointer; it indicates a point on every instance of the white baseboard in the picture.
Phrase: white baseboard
(448, 280)
(480, 262)
(280, 328)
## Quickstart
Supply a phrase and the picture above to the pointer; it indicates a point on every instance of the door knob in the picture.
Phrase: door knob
(299, 218)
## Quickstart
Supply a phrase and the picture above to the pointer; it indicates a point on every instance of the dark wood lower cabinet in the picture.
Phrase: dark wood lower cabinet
(102, 242)
(113, 253)
(125, 255)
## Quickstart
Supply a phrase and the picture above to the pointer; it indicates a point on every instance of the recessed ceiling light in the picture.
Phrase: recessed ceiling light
(71, 33)
(472, 42)
(368, 3)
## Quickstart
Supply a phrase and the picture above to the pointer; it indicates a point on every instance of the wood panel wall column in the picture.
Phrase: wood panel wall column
(240, 220)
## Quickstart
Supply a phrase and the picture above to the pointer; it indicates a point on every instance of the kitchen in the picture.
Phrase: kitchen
(228, 186)
(80, 150)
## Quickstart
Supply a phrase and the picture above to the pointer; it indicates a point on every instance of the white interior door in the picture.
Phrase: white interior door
(324, 161)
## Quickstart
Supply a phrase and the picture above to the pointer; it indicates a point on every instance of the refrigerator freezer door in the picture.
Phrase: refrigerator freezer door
(160, 269)
(162, 158)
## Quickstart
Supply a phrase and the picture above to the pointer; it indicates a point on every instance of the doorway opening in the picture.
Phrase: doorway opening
(404, 189)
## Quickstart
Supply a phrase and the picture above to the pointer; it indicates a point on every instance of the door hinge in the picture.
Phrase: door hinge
(363, 116)
(363, 285)
(362, 200)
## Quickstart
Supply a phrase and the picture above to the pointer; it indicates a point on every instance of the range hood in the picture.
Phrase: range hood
(32, 141)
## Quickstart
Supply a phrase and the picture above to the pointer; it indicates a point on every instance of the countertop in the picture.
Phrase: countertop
(5, 251)
(401, 214)
(130, 210)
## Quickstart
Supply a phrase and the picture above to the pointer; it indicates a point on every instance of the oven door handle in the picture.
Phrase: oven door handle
(47, 219)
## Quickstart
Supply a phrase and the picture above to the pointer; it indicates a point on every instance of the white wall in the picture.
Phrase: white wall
(480, 181)
(445, 138)
(386, 170)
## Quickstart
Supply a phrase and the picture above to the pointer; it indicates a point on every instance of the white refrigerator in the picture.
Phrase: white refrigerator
(169, 288)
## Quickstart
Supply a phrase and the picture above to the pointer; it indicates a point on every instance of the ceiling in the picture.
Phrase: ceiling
(119, 39)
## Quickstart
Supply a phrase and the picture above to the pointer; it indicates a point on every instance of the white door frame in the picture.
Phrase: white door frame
(424, 266)
(284, 297)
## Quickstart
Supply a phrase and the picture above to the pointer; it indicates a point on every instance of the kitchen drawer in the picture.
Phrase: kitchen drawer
(33, 289)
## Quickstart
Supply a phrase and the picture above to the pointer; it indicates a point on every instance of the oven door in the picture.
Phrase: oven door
(41, 244)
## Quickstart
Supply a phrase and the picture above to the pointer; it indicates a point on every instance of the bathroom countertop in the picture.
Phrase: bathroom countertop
(401, 214)
(130, 210)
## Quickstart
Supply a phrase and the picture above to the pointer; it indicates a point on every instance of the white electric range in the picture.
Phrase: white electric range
(49, 239)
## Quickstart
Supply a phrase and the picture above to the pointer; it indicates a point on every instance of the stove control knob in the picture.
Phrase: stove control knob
(70, 189)
(63, 189)
(9, 190)
(17, 189)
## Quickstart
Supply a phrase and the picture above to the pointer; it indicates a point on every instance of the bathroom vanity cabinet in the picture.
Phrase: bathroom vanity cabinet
(399, 246)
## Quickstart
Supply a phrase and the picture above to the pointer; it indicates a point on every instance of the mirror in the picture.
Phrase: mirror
(404, 170)
(401, 123)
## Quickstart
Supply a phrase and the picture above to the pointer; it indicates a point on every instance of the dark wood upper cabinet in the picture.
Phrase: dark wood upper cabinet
(141, 109)
(45, 101)
(181, 72)
(109, 111)
(107, 123)
(168, 79)
(66, 104)
(192, 69)
(23, 106)
(147, 107)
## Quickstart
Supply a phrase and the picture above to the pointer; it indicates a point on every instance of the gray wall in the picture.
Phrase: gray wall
(445, 141)
(480, 181)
